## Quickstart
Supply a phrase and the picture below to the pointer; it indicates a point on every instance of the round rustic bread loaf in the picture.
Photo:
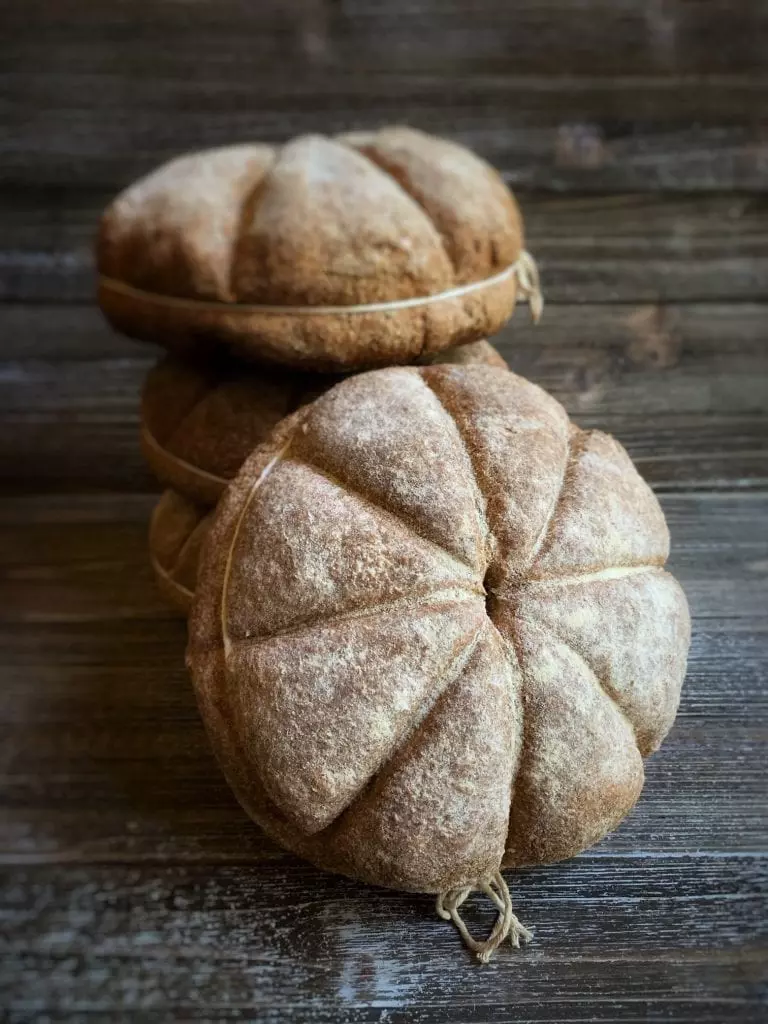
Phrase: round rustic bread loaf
(176, 532)
(332, 254)
(433, 635)
(200, 421)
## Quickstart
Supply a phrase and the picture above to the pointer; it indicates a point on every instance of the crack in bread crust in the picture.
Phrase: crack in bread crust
(388, 173)
(451, 676)
(477, 490)
(610, 572)
(443, 596)
(511, 648)
(593, 675)
(513, 642)
(572, 452)
(386, 513)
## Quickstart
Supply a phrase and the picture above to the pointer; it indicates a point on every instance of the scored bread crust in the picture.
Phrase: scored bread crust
(324, 253)
(177, 530)
(199, 422)
(433, 634)
(209, 420)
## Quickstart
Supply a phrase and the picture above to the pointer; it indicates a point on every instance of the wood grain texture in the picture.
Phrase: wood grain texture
(95, 92)
(437, 35)
(561, 132)
(622, 248)
(132, 886)
(685, 388)
(106, 758)
(182, 938)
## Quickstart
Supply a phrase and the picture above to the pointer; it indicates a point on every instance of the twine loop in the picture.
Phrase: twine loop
(507, 924)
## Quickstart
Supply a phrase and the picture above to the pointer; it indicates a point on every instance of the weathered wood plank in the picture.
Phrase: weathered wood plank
(701, 357)
(146, 787)
(105, 756)
(69, 561)
(627, 248)
(579, 1011)
(685, 387)
(614, 135)
(399, 35)
(98, 94)
(58, 331)
(283, 936)
(635, 248)
(715, 1011)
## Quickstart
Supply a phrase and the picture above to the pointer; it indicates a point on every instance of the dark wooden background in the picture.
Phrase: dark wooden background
(635, 132)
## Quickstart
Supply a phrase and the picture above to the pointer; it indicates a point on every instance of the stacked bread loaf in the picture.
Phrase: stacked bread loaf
(199, 421)
(321, 257)
(431, 633)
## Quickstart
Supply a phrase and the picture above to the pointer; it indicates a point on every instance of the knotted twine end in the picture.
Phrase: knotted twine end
(507, 924)
(529, 284)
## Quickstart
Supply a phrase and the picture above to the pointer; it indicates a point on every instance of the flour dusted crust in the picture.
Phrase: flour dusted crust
(176, 532)
(433, 634)
(316, 224)
(200, 420)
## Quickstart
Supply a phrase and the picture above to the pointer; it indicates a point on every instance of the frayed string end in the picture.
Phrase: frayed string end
(507, 924)
(530, 285)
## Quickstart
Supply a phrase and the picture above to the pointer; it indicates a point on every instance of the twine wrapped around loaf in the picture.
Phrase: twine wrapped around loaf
(507, 924)
(524, 269)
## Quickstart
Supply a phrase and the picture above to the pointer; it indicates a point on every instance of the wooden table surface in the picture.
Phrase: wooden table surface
(132, 887)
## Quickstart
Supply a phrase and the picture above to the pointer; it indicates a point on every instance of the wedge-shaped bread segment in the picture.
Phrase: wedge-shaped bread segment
(319, 551)
(580, 770)
(336, 700)
(388, 438)
(175, 230)
(632, 627)
(465, 198)
(606, 515)
(517, 437)
(329, 227)
(438, 811)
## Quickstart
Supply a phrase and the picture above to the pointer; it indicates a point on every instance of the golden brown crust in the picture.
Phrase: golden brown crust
(467, 201)
(413, 662)
(174, 231)
(318, 223)
(199, 421)
(329, 229)
(324, 342)
(176, 533)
